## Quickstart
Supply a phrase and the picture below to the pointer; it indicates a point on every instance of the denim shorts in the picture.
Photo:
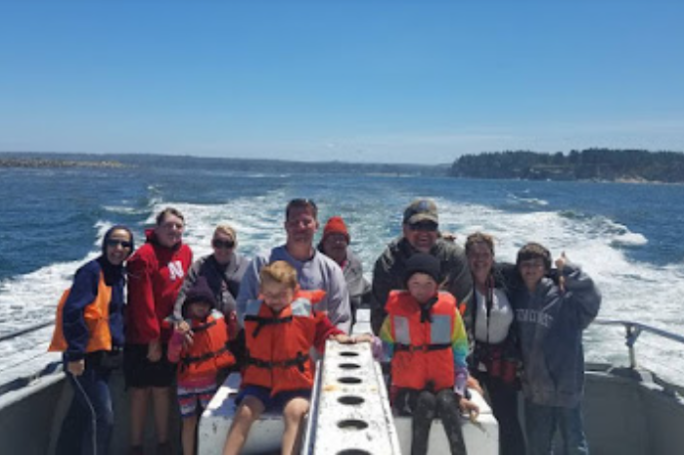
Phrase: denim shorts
(275, 403)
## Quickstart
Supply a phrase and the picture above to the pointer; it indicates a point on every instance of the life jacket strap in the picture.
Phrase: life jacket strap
(420, 348)
(263, 321)
(299, 361)
(204, 326)
(207, 356)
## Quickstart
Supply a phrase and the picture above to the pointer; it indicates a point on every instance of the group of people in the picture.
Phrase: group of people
(445, 318)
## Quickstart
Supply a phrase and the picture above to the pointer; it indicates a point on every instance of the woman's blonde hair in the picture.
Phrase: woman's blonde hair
(227, 230)
(279, 272)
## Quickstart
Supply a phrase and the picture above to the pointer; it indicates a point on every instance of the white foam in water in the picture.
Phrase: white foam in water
(530, 201)
(631, 290)
(125, 210)
(258, 222)
(31, 299)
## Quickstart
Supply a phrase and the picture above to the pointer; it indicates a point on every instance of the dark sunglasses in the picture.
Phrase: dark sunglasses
(116, 242)
(225, 244)
(423, 226)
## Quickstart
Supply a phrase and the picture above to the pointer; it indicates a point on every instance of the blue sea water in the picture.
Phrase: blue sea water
(627, 236)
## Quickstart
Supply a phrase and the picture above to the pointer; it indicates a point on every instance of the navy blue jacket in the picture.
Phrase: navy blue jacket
(550, 325)
(83, 292)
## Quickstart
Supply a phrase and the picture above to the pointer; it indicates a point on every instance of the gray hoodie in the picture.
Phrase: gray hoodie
(550, 325)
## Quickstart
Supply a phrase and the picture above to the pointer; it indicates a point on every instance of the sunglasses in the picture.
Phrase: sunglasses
(117, 242)
(423, 226)
(217, 243)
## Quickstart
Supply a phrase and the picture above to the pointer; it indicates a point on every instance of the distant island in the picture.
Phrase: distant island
(36, 162)
(188, 162)
(616, 165)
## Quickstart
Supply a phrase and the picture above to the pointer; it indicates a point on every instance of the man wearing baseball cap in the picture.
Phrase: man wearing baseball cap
(420, 233)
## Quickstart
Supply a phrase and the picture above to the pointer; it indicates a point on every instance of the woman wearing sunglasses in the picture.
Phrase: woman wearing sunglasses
(223, 270)
(90, 331)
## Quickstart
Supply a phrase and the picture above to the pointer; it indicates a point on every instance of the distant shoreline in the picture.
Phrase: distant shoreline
(57, 163)
(633, 166)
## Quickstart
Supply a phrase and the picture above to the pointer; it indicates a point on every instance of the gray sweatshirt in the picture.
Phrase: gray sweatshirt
(317, 273)
(359, 288)
(550, 325)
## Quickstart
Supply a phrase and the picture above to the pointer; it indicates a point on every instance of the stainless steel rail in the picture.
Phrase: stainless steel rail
(26, 330)
(632, 332)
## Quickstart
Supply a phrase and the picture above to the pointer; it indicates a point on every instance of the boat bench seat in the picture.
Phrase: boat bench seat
(265, 436)
(481, 437)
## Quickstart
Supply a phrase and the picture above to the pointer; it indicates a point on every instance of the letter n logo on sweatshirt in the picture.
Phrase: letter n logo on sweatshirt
(176, 270)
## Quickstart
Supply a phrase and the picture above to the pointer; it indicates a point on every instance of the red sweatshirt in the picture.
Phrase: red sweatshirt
(155, 275)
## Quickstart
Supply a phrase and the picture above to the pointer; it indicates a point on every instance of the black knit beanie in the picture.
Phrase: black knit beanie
(425, 263)
(200, 291)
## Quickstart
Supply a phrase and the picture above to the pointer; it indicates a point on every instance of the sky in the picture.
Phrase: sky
(364, 81)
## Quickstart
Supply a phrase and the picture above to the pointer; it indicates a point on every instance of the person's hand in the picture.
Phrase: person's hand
(473, 384)
(470, 408)
(184, 328)
(154, 351)
(76, 368)
(363, 338)
(342, 338)
(560, 264)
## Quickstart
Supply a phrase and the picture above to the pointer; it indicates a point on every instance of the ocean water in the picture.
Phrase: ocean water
(626, 236)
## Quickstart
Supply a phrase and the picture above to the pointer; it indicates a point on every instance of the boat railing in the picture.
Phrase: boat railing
(666, 374)
(29, 329)
(26, 377)
(632, 332)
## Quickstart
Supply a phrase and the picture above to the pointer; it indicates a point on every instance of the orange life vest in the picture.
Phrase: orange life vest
(278, 345)
(209, 351)
(423, 355)
(96, 316)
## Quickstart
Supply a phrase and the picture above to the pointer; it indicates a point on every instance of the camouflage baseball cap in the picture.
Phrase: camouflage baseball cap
(420, 210)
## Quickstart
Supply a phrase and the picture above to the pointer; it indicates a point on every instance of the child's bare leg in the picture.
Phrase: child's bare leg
(293, 414)
(162, 406)
(188, 435)
(138, 399)
(249, 411)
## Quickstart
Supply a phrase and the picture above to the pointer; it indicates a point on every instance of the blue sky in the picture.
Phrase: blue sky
(380, 81)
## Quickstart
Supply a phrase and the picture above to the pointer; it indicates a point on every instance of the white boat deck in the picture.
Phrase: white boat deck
(347, 417)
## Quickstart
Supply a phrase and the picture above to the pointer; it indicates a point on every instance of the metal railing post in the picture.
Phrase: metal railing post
(632, 333)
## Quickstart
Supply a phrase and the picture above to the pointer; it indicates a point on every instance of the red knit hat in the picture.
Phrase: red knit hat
(336, 225)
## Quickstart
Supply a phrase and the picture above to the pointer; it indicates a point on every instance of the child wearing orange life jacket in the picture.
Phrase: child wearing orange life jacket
(424, 336)
(199, 346)
(280, 330)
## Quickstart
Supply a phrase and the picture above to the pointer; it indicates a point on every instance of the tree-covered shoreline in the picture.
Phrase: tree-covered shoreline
(597, 164)
(12, 162)
(70, 160)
